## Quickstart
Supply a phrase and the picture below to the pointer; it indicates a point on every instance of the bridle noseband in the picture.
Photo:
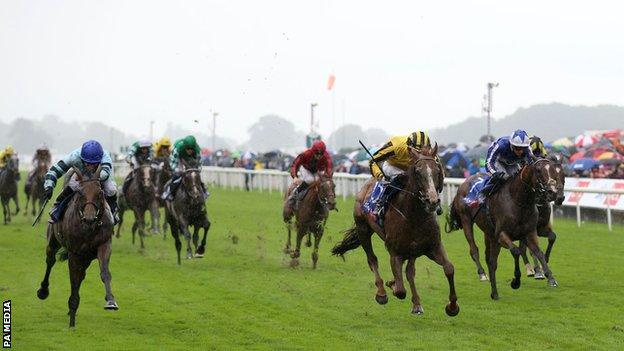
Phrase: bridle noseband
(98, 209)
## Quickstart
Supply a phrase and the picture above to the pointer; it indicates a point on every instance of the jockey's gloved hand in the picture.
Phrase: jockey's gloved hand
(47, 192)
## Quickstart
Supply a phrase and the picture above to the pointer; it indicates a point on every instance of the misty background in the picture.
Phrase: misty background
(273, 132)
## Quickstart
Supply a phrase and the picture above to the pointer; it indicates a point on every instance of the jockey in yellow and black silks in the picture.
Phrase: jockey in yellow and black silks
(394, 158)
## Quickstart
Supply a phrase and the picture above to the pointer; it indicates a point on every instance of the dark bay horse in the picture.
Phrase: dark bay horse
(140, 196)
(163, 174)
(544, 226)
(35, 191)
(8, 189)
(310, 216)
(188, 209)
(508, 215)
(410, 231)
(85, 232)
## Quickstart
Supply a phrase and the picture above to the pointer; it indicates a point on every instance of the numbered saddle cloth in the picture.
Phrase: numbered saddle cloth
(474, 197)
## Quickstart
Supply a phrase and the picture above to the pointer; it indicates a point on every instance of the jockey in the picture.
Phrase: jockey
(188, 150)
(394, 158)
(307, 165)
(505, 158)
(86, 159)
(140, 152)
(162, 148)
(537, 147)
(41, 157)
(5, 156)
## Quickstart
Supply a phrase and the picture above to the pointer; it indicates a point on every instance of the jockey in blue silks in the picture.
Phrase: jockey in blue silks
(505, 158)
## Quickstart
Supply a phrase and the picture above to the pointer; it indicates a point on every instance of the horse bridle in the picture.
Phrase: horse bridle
(419, 195)
(98, 209)
(324, 200)
(190, 170)
(540, 188)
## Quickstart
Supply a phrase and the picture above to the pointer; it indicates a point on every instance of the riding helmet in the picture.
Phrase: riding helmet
(418, 139)
(519, 138)
(91, 152)
(318, 146)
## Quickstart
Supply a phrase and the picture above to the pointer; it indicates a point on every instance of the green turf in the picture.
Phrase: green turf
(244, 296)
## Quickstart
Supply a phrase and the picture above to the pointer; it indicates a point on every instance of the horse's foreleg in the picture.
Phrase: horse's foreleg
(318, 234)
(16, 200)
(552, 237)
(183, 226)
(410, 272)
(196, 238)
(529, 269)
(202, 246)
(440, 257)
(140, 221)
(104, 254)
(26, 207)
(474, 249)
(533, 244)
(397, 286)
(492, 249)
(155, 215)
(176, 237)
(77, 270)
(51, 249)
(288, 225)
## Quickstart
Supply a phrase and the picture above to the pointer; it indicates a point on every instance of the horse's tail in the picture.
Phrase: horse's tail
(452, 219)
(350, 241)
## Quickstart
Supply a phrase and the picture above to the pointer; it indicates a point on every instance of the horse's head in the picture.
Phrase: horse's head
(144, 176)
(559, 176)
(427, 176)
(90, 197)
(546, 178)
(191, 182)
(327, 192)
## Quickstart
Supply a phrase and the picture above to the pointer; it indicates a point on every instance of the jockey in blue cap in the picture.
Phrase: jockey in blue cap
(505, 158)
(86, 159)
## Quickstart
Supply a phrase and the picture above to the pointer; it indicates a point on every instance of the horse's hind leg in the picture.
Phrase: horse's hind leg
(51, 249)
(104, 253)
(397, 286)
(318, 234)
(440, 257)
(365, 233)
(533, 245)
(202, 247)
(474, 249)
(552, 237)
(176, 237)
(309, 240)
(26, 207)
(295, 254)
(410, 272)
(196, 238)
(155, 215)
(16, 200)
(288, 225)
(77, 270)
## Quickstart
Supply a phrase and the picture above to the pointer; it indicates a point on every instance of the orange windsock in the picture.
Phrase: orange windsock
(330, 82)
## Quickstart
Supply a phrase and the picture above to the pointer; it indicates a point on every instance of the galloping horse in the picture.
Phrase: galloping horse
(8, 189)
(35, 190)
(163, 174)
(544, 227)
(140, 197)
(410, 230)
(188, 208)
(310, 216)
(509, 214)
(85, 232)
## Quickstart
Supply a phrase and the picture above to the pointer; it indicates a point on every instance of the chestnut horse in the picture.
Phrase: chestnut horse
(410, 230)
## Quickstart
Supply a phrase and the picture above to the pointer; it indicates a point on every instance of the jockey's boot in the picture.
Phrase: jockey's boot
(205, 191)
(171, 187)
(294, 196)
(112, 203)
(439, 210)
(493, 184)
(56, 211)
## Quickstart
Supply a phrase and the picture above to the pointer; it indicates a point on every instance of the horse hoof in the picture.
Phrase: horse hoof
(515, 283)
(308, 243)
(286, 250)
(530, 273)
(483, 277)
(418, 310)
(494, 296)
(381, 299)
(111, 306)
(198, 255)
(294, 263)
(452, 309)
(539, 276)
(42, 294)
(400, 294)
(553, 282)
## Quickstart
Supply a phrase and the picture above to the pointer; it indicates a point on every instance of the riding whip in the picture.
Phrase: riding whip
(373, 159)
(45, 202)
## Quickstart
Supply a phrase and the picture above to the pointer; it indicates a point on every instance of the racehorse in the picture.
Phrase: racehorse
(544, 226)
(85, 233)
(508, 215)
(410, 230)
(35, 190)
(188, 208)
(140, 197)
(163, 174)
(310, 216)
(8, 189)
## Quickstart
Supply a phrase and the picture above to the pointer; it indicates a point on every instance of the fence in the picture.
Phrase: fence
(349, 185)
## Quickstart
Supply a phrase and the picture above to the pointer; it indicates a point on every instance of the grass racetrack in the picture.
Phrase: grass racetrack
(243, 295)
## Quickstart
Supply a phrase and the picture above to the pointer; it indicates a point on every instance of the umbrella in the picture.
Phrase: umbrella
(583, 164)
(576, 156)
(236, 154)
(565, 142)
(610, 161)
(607, 154)
(358, 156)
(585, 140)
(477, 152)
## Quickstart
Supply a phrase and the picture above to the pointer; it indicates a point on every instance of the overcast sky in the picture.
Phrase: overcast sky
(398, 65)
